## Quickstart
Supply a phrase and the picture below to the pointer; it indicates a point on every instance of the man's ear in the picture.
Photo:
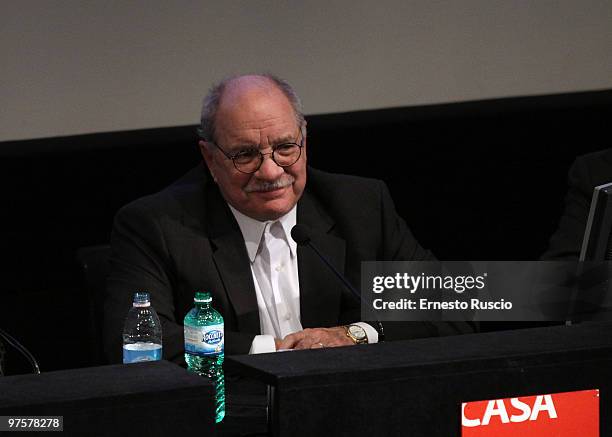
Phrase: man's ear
(207, 154)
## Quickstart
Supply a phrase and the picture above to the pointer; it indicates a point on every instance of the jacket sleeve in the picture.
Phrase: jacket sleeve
(140, 261)
(401, 245)
(398, 242)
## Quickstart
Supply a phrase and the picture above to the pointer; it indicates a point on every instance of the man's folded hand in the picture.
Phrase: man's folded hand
(315, 338)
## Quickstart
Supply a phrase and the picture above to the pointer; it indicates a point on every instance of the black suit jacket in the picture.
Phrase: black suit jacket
(587, 172)
(185, 239)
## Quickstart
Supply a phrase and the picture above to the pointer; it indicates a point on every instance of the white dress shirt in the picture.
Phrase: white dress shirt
(273, 256)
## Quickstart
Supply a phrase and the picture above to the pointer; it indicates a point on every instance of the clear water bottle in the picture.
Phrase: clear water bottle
(142, 334)
(204, 340)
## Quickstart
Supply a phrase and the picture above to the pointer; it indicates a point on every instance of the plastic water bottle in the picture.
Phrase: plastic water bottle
(142, 334)
(204, 340)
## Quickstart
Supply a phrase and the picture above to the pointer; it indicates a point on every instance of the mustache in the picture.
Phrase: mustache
(284, 181)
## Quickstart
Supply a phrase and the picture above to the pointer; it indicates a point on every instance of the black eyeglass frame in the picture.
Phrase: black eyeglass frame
(262, 155)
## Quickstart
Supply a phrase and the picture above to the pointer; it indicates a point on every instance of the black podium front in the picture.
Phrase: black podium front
(149, 399)
(417, 387)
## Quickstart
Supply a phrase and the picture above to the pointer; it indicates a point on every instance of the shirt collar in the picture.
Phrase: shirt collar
(252, 230)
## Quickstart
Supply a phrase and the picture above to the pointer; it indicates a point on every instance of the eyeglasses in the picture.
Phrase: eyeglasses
(250, 159)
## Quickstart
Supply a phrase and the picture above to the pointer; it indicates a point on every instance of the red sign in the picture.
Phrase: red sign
(567, 414)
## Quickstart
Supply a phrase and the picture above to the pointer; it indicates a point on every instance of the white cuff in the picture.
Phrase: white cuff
(370, 332)
(265, 343)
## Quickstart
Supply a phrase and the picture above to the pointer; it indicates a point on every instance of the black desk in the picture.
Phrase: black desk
(152, 399)
(396, 388)
(416, 387)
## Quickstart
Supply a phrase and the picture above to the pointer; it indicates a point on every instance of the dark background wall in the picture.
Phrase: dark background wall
(474, 180)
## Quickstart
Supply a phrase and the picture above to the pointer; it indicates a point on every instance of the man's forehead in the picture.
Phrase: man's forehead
(257, 137)
(255, 110)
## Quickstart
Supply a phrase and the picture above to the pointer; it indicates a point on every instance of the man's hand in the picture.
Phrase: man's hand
(315, 338)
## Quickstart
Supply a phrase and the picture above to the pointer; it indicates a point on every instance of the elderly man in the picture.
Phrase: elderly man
(226, 229)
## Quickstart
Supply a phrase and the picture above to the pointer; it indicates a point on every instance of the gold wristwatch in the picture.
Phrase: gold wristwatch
(356, 333)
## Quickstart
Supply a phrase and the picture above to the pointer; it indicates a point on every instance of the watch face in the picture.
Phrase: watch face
(357, 331)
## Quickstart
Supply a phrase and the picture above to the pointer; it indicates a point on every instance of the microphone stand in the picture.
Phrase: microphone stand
(306, 241)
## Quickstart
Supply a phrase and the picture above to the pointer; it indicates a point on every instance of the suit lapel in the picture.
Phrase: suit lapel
(232, 261)
(320, 290)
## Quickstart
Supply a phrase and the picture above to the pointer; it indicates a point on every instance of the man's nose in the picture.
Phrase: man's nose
(269, 170)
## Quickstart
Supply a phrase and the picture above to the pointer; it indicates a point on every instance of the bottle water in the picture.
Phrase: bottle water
(204, 340)
(142, 334)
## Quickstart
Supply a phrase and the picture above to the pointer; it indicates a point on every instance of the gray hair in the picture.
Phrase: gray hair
(210, 104)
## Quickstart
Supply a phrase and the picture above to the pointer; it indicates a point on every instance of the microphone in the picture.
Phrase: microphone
(301, 235)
